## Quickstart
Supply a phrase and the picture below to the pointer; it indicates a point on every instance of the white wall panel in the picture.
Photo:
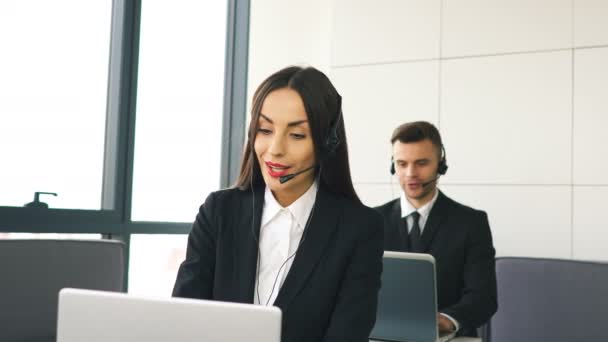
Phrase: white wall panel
(590, 22)
(283, 33)
(384, 31)
(376, 99)
(374, 195)
(590, 116)
(590, 235)
(507, 119)
(531, 221)
(474, 27)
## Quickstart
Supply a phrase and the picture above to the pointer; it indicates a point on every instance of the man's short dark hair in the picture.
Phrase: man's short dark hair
(417, 131)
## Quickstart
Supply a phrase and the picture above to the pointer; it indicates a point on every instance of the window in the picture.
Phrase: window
(179, 108)
(74, 121)
(54, 67)
(154, 261)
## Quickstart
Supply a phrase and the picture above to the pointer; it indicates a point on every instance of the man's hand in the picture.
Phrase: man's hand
(444, 324)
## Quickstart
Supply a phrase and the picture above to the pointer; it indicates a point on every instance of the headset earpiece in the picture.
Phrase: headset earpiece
(392, 166)
(333, 140)
(442, 168)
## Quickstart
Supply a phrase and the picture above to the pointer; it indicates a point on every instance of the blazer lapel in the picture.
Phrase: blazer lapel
(399, 241)
(319, 231)
(247, 240)
(433, 223)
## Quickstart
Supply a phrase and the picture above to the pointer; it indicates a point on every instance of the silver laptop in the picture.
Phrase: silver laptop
(97, 316)
(407, 302)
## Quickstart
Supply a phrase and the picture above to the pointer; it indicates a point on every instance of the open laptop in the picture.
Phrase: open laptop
(407, 302)
(97, 316)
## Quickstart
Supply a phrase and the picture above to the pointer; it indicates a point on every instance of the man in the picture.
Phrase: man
(424, 220)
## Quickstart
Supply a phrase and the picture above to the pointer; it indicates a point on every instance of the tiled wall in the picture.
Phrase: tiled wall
(518, 89)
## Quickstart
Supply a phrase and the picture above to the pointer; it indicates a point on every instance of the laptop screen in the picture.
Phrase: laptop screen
(407, 304)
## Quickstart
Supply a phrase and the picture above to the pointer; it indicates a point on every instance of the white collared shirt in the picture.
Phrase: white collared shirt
(406, 210)
(280, 234)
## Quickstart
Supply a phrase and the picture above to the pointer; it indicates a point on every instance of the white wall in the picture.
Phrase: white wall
(518, 89)
(284, 33)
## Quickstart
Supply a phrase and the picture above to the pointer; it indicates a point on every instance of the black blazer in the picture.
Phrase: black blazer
(459, 239)
(331, 290)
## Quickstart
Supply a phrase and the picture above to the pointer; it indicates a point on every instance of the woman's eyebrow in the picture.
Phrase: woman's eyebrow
(266, 118)
(295, 123)
(291, 124)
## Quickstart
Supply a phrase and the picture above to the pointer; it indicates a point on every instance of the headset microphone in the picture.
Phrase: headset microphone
(425, 184)
(287, 178)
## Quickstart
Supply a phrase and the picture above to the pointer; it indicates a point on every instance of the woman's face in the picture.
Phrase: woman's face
(284, 145)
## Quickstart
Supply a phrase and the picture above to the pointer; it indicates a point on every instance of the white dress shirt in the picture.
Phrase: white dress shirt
(280, 234)
(406, 210)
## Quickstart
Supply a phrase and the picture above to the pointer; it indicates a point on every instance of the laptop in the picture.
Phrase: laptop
(407, 302)
(98, 316)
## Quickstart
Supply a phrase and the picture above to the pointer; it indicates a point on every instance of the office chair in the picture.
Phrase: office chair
(550, 300)
(33, 272)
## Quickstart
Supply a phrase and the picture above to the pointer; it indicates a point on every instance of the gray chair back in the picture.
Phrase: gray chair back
(550, 300)
(33, 271)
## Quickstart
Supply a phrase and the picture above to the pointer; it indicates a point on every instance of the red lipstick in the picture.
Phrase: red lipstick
(276, 170)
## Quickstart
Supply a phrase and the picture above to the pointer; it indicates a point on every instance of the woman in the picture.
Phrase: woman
(292, 233)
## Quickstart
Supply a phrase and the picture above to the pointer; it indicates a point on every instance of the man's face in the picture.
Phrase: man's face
(416, 164)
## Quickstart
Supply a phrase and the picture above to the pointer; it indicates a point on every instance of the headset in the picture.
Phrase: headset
(332, 142)
(329, 147)
(442, 167)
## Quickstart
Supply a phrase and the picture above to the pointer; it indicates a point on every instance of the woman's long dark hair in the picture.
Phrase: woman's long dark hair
(322, 105)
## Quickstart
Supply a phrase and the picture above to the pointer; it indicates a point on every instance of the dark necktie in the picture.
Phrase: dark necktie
(415, 243)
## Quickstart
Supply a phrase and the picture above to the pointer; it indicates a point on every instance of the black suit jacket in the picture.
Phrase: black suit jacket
(459, 239)
(331, 290)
